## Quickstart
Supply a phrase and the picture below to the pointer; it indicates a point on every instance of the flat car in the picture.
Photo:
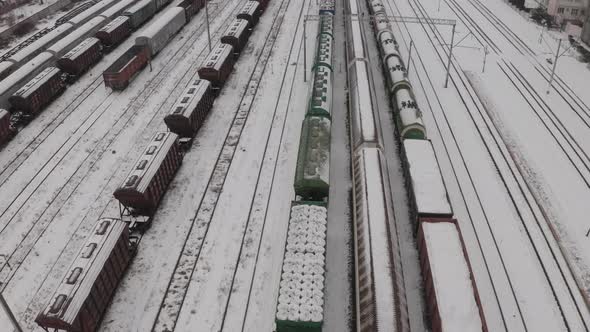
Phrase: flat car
(84, 293)
(147, 182)
(191, 109)
(237, 35)
(38, 92)
(218, 65)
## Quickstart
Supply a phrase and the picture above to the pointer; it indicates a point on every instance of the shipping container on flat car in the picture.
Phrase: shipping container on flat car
(122, 71)
(6, 129)
(191, 109)
(144, 187)
(237, 35)
(115, 32)
(81, 58)
(85, 292)
(161, 30)
(140, 12)
(451, 293)
(38, 92)
(426, 188)
(250, 12)
(218, 65)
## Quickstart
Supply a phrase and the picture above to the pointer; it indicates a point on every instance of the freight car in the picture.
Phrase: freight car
(191, 7)
(301, 294)
(321, 93)
(451, 294)
(6, 128)
(140, 12)
(218, 65)
(118, 75)
(263, 4)
(40, 91)
(327, 7)
(85, 291)
(237, 35)
(114, 33)
(20, 77)
(146, 184)
(159, 32)
(81, 58)
(312, 175)
(427, 193)
(250, 12)
(191, 109)
(70, 41)
(408, 116)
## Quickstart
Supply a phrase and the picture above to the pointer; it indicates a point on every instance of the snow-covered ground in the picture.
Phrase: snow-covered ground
(230, 199)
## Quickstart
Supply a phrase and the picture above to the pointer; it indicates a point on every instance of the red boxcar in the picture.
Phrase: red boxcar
(190, 110)
(38, 92)
(451, 293)
(6, 129)
(81, 58)
(115, 32)
(86, 290)
(122, 71)
(218, 65)
(146, 184)
(250, 12)
(237, 35)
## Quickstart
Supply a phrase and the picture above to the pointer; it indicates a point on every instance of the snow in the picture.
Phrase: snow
(42, 42)
(17, 79)
(427, 183)
(301, 293)
(363, 120)
(92, 12)
(24, 11)
(117, 9)
(34, 84)
(218, 56)
(451, 278)
(314, 157)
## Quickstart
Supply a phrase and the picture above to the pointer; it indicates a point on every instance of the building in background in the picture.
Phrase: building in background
(565, 11)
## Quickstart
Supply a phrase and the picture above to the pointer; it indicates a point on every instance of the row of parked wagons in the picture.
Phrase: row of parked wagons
(43, 76)
(451, 294)
(301, 290)
(84, 293)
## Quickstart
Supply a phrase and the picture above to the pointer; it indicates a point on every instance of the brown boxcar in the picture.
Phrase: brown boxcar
(6, 129)
(146, 184)
(250, 12)
(192, 7)
(218, 65)
(190, 110)
(115, 32)
(237, 35)
(38, 92)
(122, 71)
(81, 58)
(451, 294)
(86, 290)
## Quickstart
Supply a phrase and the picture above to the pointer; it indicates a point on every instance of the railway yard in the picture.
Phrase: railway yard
(310, 167)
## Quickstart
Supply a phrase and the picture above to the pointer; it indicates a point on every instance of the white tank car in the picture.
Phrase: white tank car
(410, 124)
(397, 74)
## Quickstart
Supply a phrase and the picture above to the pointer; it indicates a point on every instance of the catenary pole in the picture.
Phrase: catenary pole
(207, 19)
(450, 55)
(554, 65)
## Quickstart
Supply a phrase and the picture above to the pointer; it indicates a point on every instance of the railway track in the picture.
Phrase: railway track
(190, 255)
(511, 178)
(21, 252)
(472, 26)
(562, 136)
